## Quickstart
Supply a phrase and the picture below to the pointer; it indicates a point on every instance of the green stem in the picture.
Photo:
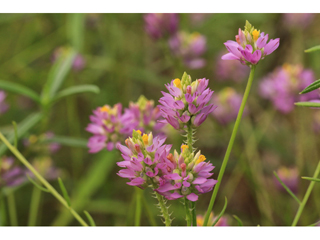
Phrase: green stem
(188, 214)
(164, 209)
(42, 180)
(138, 207)
(190, 137)
(230, 145)
(306, 197)
(34, 207)
(12, 209)
(193, 214)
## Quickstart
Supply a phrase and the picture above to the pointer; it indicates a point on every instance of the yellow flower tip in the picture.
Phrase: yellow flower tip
(200, 220)
(287, 67)
(145, 138)
(201, 159)
(33, 139)
(138, 131)
(183, 147)
(105, 108)
(177, 83)
(255, 34)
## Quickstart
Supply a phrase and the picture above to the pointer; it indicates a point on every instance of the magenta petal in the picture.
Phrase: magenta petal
(136, 181)
(229, 56)
(173, 176)
(192, 197)
(271, 46)
(199, 180)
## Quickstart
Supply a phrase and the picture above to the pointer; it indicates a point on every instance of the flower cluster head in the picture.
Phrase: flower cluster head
(230, 70)
(222, 222)
(3, 105)
(297, 20)
(250, 46)
(42, 143)
(185, 175)
(159, 25)
(290, 177)
(148, 162)
(187, 102)
(229, 102)
(10, 174)
(282, 87)
(189, 47)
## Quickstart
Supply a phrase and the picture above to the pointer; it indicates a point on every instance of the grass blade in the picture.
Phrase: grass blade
(222, 211)
(307, 104)
(286, 188)
(19, 89)
(238, 220)
(91, 221)
(68, 141)
(315, 48)
(313, 86)
(311, 179)
(64, 192)
(75, 30)
(36, 184)
(77, 89)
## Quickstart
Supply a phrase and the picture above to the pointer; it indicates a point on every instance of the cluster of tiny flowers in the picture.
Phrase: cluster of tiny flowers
(282, 87)
(229, 102)
(189, 47)
(159, 25)
(290, 177)
(230, 70)
(3, 105)
(186, 101)
(11, 175)
(110, 126)
(42, 143)
(148, 162)
(78, 62)
(250, 46)
(222, 222)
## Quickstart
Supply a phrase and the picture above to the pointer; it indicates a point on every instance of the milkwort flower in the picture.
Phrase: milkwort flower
(109, 127)
(189, 47)
(229, 102)
(185, 175)
(159, 25)
(3, 105)
(186, 101)
(250, 46)
(142, 156)
(283, 85)
(11, 175)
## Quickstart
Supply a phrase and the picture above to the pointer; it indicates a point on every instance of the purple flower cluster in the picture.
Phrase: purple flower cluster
(189, 47)
(290, 177)
(250, 46)
(282, 86)
(3, 106)
(230, 70)
(11, 175)
(186, 101)
(229, 102)
(110, 126)
(147, 162)
(159, 25)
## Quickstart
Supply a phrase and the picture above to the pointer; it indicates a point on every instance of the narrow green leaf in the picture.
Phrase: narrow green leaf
(68, 141)
(64, 192)
(75, 30)
(222, 212)
(19, 89)
(15, 134)
(91, 221)
(238, 220)
(307, 104)
(22, 128)
(36, 184)
(311, 179)
(315, 48)
(56, 76)
(77, 89)
(286, 188)
(313, 86)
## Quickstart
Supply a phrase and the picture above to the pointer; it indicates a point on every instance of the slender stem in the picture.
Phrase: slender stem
(164, 209)
(42, 180)
(188, 214)
(12, 209)
(190, 137)
(306, 197)
(138, 207)
(230, 145)
(193, 214)
(34, 207)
